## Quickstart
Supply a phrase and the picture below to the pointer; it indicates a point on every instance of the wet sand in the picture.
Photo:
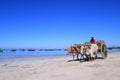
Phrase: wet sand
(62, 69)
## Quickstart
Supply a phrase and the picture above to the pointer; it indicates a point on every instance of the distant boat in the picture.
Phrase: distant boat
(13, 50)
(65, 49)
(1, 50)
(110, 48)
(57, 49)
(49, 50)
(31, 49)
(22, 49)
(40, 49)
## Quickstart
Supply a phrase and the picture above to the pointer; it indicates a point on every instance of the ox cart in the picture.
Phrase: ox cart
(85, 49)
(102, 49)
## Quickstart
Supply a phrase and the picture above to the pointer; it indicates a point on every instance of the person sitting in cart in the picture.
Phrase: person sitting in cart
(92, 40)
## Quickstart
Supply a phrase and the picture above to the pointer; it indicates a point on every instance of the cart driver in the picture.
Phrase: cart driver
(92, 40)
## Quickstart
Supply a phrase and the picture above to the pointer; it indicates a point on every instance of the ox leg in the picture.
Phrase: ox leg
(77, 56)
(90, 57)
(96, 56)
(81, 57)
(73, 57)
(87, 57)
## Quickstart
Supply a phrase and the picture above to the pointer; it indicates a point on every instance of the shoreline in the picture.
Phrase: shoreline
(27, 58)
(61, 68)
(41, 58)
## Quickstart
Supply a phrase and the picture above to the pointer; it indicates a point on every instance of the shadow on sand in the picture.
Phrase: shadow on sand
(83, 60)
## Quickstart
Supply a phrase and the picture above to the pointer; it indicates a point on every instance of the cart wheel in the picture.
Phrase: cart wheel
(104, 51)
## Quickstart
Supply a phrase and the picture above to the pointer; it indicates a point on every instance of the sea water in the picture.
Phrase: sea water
(8, 55)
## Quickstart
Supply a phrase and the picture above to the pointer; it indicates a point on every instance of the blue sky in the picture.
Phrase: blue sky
(58, 23)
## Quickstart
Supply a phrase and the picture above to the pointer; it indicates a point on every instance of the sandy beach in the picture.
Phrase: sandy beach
(62, 69)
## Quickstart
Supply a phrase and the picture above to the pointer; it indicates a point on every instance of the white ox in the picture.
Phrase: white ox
(92, 51)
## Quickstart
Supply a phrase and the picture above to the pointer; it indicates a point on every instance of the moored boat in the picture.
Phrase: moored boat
(31, 49)
(22, 49)
(13, 50)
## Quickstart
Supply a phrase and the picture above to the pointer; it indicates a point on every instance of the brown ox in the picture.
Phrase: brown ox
(75, 50)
